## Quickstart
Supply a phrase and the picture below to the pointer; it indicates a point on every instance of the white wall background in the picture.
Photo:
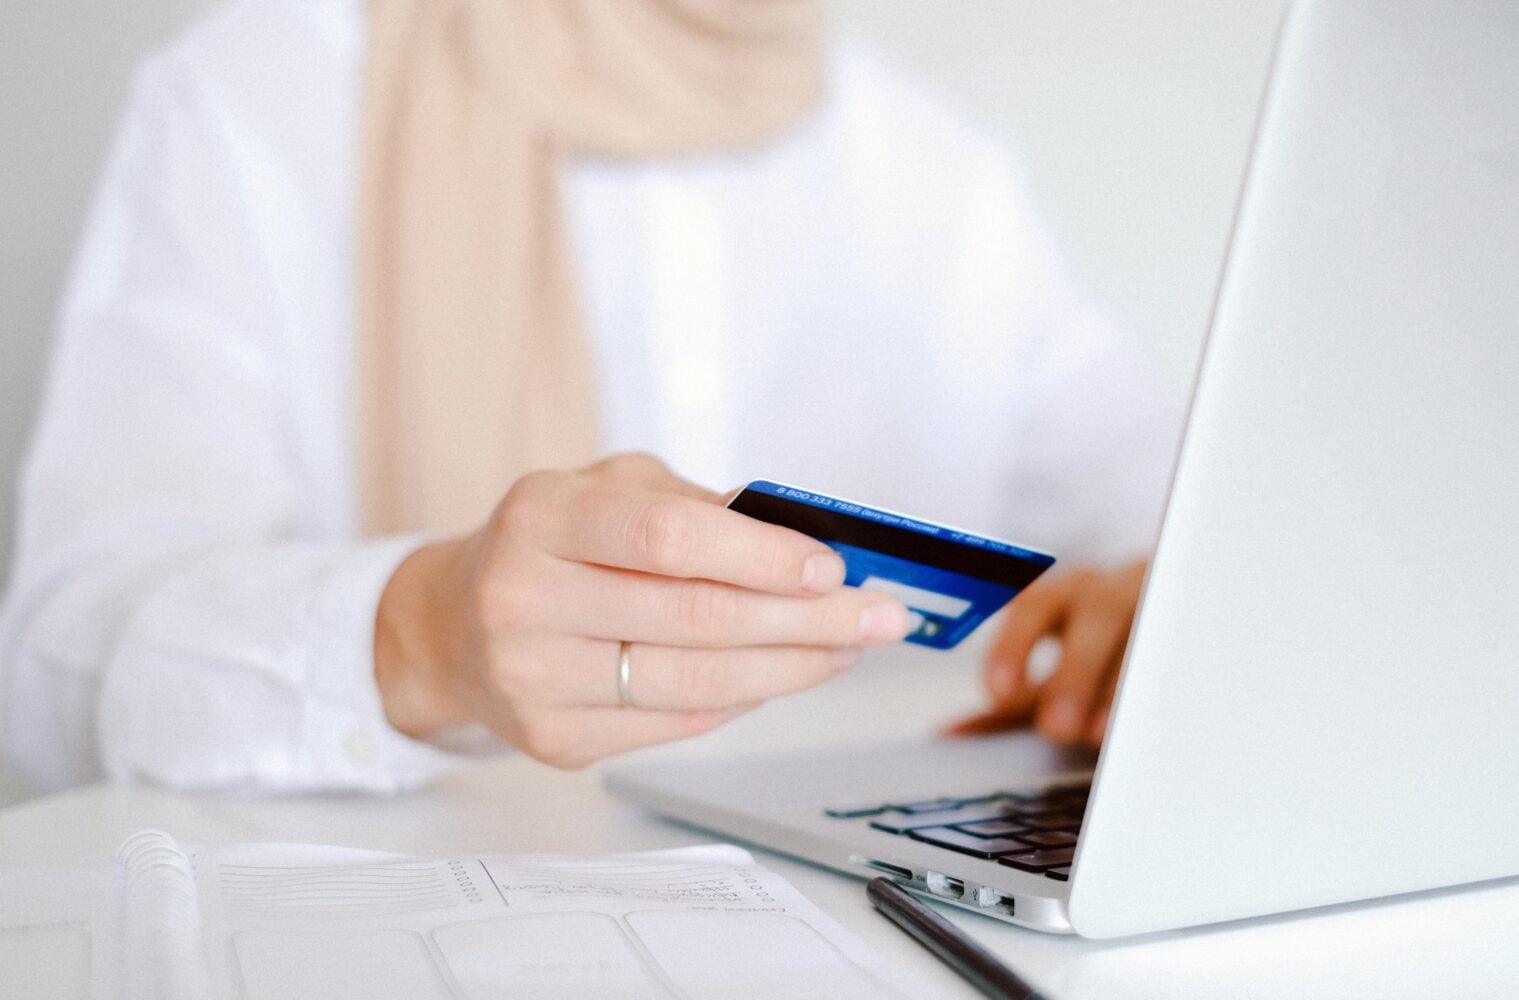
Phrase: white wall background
(63, 72)
(1132, 120)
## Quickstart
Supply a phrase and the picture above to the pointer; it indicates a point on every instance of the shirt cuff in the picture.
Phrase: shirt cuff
(349, 742)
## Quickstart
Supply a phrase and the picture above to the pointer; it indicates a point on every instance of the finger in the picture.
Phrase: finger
(644, 471)
(581, 736)
(1097, 729)
(677, 536)
(675, 679)
(1092, 646)
(990, 722)
(602, 603)
(1034, 614)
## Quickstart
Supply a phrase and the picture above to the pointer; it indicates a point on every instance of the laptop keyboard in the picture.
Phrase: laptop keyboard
(1031, 831)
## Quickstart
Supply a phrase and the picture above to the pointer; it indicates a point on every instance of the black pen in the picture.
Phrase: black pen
(974, 963)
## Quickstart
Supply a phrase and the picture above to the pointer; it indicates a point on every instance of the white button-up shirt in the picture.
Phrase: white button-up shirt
(868, 307)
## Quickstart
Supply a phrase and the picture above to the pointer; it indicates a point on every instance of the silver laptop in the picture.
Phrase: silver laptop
(1320, 701)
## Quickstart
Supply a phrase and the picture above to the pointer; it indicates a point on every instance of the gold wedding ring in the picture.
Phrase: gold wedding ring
(625, 675)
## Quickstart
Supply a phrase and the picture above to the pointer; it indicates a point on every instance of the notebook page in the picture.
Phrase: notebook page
(126, 931)
(56, 930)
(288, 922)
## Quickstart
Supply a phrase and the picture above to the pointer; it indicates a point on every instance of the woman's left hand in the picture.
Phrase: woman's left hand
(1088, 612)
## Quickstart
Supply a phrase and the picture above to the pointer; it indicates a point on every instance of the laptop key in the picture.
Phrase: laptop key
(1044, 807)
(847, 813)
(979, 799)
(1054, 821)
(967, 843)
(1062, 874)
(1055, 792)
(1048, 838)
(1040, 861)
(995, 827)
(932, 805)
(952, 817)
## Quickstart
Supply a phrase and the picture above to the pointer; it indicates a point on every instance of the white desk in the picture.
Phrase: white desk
(1447, 944)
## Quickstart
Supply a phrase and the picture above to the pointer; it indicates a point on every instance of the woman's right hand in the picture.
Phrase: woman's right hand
(519, 625)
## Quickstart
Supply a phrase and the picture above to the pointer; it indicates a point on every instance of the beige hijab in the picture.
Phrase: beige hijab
(473, 367)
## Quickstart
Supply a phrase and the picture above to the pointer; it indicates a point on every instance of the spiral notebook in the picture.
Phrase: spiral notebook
(290, 921)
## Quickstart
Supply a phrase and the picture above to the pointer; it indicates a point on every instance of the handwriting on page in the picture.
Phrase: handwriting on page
(545, 878)
(304, 922)
(697, 924)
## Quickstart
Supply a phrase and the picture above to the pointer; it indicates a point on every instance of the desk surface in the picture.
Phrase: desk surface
(1457, 943)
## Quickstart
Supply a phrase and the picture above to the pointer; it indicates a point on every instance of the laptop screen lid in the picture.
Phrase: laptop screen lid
(1325, 668)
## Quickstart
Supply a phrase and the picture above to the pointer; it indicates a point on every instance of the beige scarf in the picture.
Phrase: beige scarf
(473, 367)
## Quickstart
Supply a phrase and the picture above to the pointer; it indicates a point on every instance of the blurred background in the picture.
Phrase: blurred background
(1132, 122)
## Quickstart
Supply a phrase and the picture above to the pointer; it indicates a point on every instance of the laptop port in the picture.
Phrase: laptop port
(896, 871)
(944, 885)
(991, 899)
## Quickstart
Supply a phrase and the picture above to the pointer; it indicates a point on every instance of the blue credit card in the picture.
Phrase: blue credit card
(950, 580)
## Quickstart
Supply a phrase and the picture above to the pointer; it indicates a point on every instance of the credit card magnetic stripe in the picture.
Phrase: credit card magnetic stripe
(951, 580)
(969, 555)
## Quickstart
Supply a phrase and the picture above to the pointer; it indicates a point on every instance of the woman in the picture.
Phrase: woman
(285, 523)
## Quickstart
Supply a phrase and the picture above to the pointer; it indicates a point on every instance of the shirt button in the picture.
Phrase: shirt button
(358, 749)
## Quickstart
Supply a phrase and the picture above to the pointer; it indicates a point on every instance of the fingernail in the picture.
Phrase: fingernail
(1062, 719)
(822, 572)
(845, 657)
(884, 621)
